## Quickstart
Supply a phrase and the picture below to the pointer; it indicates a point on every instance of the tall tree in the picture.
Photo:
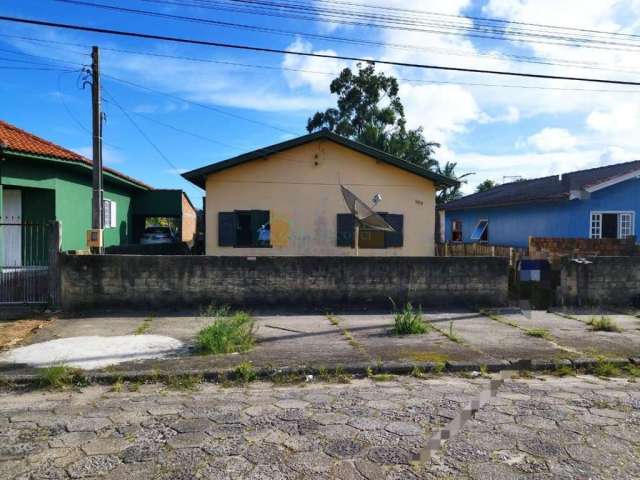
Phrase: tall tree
(488, 184)
(450, 193)
(369, 110)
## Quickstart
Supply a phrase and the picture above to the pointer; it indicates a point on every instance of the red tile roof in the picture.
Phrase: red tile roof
(14, 139)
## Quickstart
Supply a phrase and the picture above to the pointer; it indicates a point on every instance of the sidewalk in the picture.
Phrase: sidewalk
(458, 340)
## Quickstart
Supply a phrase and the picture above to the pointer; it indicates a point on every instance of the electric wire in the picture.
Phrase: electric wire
(150, 36)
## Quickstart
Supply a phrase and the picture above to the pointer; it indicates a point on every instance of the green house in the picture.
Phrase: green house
(41, 181)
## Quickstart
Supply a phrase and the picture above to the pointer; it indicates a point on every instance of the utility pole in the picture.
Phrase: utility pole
(97, 205)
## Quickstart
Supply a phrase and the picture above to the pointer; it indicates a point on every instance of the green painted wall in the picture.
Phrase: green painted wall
(71, 200)
(159, 203)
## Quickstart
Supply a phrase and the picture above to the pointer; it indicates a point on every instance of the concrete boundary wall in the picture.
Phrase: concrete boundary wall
(600, 281)
(126, 281)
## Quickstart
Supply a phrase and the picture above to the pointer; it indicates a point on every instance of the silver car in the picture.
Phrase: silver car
(156, 235)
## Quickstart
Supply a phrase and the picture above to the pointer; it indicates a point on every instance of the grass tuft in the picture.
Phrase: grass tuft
(604, 368)
(227, 335)
(603, 324)
(183, 382)
(144, 327)
(245, 372)
(61, 377)
(409, 322)
(564, 370)
(538, 332)
(215, 311)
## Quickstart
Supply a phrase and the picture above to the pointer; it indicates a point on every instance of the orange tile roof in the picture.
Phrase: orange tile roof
(15, 139)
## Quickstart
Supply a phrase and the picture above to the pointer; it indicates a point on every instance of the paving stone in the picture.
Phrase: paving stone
(291, 403)
(188, 440)
(88, 424)
(105, 446)
(404, 429)
(367, 424)
(191, 425)
(93, 466)
(389, 455)
(343, 448)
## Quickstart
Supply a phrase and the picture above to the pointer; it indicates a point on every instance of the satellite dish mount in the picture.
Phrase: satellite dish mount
(363, 215)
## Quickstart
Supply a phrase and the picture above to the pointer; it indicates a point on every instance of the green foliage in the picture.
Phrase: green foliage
(183, 382)
(416, 372)
(486, 185)
(564, 370)
(227, 335)
(370, 111)
(439, 367)
(604, 368)
(603, 324)
(144, 327)
(538, 332)
(61, 377)
(409, 322)
(450, 193)
(215, 311)
(245, 372)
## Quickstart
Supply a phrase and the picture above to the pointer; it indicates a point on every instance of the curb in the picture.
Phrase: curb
(358, 369)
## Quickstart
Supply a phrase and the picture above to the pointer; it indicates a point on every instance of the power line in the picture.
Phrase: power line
(332, 38)
(141, 132)
(306, 54)
(485, 19)
(346, 18)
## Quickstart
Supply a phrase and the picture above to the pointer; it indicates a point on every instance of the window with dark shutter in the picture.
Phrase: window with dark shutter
(346, 225)
(394, 239)
(226, 229)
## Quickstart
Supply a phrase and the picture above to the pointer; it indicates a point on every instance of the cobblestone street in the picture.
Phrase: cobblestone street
(573, 428)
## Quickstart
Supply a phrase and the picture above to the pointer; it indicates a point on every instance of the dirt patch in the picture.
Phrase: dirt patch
(12, 333)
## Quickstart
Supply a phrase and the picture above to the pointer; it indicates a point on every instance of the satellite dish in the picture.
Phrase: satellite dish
(364, 216)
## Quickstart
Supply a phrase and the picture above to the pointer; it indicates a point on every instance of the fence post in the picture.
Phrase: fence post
(446, 249)
(54, 235)
(493, 250)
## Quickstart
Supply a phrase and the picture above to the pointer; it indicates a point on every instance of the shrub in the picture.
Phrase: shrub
(409, 322)
(603, 324)
(245, 372)
(183, 382)
(227, 335)
(61, 376)
(604, 368)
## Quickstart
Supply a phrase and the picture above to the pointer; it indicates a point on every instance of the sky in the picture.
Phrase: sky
(195, 105)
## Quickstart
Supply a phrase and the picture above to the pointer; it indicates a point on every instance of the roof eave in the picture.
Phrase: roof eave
(77, 163)
(198, 176)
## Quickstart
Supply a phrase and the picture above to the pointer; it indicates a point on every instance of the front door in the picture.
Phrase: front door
(12, 234)
(609, 225)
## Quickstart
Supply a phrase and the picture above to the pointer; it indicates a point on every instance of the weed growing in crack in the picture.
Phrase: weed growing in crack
(61, 377)
(245, 372)
(538, 333)
(227, 335)
(409, 322)
(603, 324)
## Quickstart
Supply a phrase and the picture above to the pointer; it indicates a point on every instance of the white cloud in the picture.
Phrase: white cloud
(553, 140)
(308, 67)
(443, 110)
(624, 117)
(110, 155)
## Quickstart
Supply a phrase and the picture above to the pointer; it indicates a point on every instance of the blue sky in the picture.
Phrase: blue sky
(493, 131)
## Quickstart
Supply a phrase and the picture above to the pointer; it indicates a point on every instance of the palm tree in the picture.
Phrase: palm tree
(450, 193)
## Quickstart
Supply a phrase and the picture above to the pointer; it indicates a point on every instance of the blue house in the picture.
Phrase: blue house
(595, 203)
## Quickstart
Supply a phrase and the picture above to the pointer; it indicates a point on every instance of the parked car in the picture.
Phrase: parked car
(156, 235)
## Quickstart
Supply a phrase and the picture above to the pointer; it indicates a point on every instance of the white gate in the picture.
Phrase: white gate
(11, 237)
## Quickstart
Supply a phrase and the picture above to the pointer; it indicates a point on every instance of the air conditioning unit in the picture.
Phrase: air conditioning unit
(94, 238)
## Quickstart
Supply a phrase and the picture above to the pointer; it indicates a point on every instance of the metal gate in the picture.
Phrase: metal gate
(24, 263)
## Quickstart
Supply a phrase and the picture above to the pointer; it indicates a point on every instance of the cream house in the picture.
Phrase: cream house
(286, 200)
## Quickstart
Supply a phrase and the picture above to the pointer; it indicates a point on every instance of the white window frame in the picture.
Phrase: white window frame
(109, 213)
(479, 240)
(453, 224)
(595, 223)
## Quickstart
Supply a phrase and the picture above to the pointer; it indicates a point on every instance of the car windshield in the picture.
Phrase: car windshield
(157, 231)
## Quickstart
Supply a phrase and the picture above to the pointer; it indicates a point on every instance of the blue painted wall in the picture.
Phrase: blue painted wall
(513, 226)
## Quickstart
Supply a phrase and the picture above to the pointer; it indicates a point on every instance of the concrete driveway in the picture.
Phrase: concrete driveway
(345, 339)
